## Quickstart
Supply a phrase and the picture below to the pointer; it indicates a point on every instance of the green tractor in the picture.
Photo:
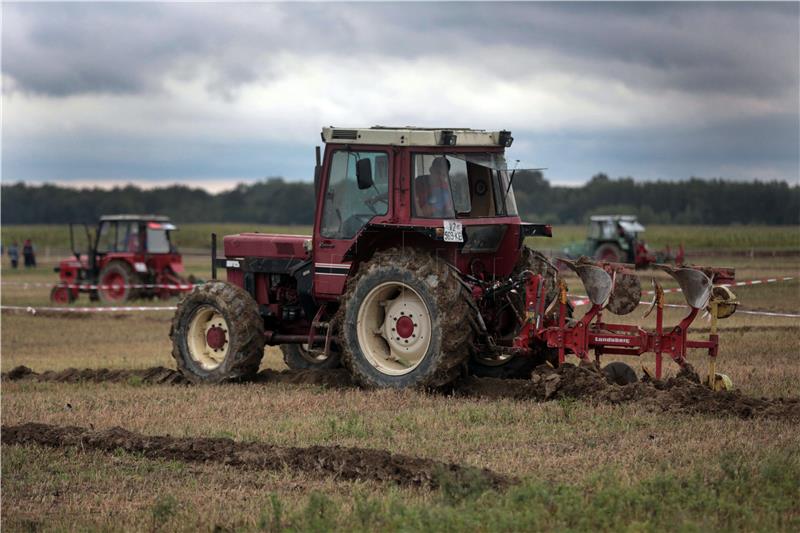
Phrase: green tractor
(616, 239)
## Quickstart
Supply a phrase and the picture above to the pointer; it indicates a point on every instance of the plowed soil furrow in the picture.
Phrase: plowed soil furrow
(682, 394)
(162, 375)
(339, 462)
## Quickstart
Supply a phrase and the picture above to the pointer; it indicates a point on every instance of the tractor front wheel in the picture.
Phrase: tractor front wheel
(217, 334)
(62, 294)
(116, 282)
(299, 357)
(404, 322)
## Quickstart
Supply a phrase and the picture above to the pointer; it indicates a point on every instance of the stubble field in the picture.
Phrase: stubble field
(569, 463)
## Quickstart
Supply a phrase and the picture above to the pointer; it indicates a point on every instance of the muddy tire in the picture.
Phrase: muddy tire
(115, 282)
(620, 373)
(217, 334)
(297, 357)
(510, 367)
(609, 252)
(403, 322)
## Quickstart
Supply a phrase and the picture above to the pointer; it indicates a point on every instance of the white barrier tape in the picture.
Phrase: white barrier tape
(580, 302)
(766, 313)
(181, 286)
(737, 284)
(34, 310)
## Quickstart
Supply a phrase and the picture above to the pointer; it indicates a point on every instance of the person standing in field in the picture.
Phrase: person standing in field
(29, 254)
(13, 254)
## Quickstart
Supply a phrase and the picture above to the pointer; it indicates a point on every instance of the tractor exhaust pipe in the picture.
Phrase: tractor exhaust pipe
(213, 256)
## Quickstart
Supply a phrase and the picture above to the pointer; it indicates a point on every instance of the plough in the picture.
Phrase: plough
(613, 287)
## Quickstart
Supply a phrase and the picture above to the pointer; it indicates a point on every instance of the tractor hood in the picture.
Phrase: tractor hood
(267, 246)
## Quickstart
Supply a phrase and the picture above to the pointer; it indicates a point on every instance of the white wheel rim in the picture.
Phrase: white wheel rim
(203, 320)
(394, 328)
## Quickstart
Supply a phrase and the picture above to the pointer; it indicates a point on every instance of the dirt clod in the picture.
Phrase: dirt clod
(340, 462)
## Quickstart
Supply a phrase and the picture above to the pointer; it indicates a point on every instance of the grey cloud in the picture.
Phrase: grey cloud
(79, 48)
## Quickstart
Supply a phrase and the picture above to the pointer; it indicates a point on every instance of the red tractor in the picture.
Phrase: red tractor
(415, 273)
(129, 256)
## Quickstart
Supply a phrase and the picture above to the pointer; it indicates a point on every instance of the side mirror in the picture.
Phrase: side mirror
(317, 171)
(364, 173)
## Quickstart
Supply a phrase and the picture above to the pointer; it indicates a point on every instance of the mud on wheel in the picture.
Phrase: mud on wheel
(498, 365)
(217, 334)
(404, 322)
(115, 282)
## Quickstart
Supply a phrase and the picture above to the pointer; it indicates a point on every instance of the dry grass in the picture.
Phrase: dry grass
(558, 444)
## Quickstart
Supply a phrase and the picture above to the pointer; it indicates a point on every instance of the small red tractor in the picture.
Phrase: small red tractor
(128, 257)
(416, 273)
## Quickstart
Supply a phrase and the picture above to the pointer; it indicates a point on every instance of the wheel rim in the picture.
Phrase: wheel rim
(113, 286)
(394, 328)
(208, 338)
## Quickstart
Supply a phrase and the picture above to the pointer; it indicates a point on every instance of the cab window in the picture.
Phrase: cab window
(128, 238)
(348, 208)
(107, 237)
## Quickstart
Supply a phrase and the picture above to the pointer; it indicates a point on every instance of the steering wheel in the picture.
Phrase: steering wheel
(382, 197)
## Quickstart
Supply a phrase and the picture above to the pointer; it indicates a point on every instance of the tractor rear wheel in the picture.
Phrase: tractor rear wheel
(217, 334)
(299, 357)
(115, 282)
(620, 373)
(609, 252)
(509, 366)
(404, 322)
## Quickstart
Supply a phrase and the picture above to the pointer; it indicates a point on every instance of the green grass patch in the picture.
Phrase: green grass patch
(737, 496)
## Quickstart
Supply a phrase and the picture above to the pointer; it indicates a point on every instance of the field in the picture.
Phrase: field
(572, 463)
(196, 236)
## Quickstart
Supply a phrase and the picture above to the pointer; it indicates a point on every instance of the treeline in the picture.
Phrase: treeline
(275, 201)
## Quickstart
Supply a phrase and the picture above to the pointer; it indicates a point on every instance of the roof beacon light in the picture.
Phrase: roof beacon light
(448, 138)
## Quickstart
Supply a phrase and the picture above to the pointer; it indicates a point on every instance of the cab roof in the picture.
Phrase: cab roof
(613, 218)
(146, 218)
(413, 136)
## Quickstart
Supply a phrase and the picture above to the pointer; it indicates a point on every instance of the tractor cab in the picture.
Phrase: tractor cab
(448, 190)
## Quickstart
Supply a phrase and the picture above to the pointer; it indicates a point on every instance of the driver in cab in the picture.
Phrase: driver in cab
(432, 191)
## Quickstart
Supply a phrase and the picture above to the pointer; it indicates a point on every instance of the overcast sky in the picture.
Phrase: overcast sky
(214, 94)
